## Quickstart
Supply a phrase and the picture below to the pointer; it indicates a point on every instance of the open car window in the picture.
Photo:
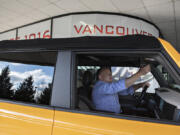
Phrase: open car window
(149, 103)
(126, 72)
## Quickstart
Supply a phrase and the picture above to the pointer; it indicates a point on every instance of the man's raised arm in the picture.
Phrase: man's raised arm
(142, 71)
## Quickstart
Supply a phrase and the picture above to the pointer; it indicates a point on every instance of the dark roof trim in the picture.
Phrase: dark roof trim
(134, 42)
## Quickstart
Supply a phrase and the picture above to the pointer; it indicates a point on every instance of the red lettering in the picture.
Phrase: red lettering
(149, 34)
(133, 31)
(17, 38)
(39, 34)
(46, 34)
(118, 29)
(11, 38)
(109, 27)
(138, 32)
(25, 37)
(87, 29)
(127, 31)
(99, 29)
(144, 33)
(32, 36)
(78, 31)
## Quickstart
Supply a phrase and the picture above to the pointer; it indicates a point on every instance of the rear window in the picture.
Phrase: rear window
(27, 77)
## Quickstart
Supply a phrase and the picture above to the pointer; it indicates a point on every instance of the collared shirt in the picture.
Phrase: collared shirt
(105, 95)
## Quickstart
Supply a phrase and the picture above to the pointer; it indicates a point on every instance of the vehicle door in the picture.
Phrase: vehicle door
(25, 93)
(23, 119)
(69, 120)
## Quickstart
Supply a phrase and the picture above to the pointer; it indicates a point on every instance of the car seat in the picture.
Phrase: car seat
(84, 92)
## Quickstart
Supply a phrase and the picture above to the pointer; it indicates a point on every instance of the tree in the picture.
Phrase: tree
(44, 98)
(5, 84)
(25, 92)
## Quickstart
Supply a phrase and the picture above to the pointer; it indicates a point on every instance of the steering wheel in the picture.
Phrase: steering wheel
(142, 96)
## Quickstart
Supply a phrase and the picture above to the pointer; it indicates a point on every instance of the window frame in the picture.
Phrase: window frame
(161, 59)
(43, 106)
(73, 84)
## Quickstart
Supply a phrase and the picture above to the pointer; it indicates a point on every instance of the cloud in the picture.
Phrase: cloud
(16, 64)
(41, 80)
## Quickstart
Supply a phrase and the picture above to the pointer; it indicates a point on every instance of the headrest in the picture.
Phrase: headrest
(87, 78)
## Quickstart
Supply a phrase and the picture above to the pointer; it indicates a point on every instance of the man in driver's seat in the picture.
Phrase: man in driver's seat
(105, 91)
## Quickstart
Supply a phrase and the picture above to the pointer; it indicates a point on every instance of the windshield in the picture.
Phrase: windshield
(167, 78)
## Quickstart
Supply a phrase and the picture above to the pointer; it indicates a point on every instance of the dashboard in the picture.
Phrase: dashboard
(168, 103)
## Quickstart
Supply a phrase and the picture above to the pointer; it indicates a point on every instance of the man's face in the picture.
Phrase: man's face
(106, 76)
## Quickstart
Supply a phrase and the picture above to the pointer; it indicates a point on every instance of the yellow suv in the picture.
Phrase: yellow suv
(41, 82)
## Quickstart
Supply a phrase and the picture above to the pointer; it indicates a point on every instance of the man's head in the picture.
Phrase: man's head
(105, 74)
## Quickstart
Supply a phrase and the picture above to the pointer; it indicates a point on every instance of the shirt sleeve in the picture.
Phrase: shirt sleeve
(114, 87)
(129, 91)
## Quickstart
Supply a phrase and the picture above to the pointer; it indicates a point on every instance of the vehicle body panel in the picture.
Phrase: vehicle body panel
(25, 120)
(171, 51)
(83, 124)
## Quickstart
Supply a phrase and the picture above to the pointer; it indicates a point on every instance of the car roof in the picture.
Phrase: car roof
(130, 42)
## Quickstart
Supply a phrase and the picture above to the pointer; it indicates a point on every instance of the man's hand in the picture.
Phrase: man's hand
(145, 70)
(145, 84)
(140, 85)
(142, 71)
